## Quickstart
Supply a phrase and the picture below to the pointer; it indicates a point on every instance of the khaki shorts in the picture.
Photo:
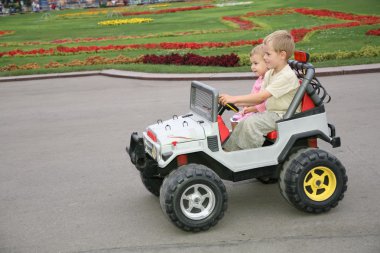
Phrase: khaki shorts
(250, 132)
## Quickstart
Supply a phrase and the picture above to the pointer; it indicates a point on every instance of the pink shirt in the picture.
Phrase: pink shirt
(256, 89)
(260, 107)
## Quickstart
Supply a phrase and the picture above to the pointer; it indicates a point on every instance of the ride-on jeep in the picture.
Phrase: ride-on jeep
(182, 160)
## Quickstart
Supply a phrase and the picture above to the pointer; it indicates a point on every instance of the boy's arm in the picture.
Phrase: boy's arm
(245, 100)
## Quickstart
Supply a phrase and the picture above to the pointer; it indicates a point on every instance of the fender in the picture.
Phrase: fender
(334, 141)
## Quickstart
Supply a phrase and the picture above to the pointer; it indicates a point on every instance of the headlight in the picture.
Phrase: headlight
(154, 152)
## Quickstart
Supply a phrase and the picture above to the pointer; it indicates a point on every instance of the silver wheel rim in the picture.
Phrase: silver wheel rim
(197, 202)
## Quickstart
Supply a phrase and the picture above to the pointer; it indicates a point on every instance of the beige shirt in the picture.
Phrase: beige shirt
(283, 86)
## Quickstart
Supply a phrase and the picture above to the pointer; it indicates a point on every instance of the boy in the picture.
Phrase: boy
(280, 86)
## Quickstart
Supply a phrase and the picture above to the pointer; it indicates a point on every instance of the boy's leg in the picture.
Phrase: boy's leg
(250, 132)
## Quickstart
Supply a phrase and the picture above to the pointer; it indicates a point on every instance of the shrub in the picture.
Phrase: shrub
(231, 60)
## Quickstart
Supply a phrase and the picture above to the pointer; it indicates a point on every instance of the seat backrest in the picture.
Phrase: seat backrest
(307, 103)
(224, 132)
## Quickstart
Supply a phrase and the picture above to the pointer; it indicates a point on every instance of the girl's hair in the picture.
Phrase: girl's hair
(259, 50)
(281, 40)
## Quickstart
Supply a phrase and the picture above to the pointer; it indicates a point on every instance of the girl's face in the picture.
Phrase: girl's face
(258, 65)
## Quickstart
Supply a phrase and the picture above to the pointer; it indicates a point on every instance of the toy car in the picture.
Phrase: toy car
(182, 160)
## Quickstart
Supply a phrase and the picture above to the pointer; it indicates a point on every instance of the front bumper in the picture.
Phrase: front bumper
(136, 151)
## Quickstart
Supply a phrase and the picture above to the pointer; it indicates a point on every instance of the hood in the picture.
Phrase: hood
(177, 130)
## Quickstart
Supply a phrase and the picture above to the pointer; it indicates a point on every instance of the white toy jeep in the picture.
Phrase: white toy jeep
(182, 160)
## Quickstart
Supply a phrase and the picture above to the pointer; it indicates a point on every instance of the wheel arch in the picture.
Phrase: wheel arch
(300, 138)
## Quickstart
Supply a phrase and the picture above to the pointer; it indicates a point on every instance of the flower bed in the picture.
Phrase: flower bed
(92, 60)
(231, 60)
(125, 21)
(84, 13)
(172, 10)
(367, 51)
(6, 32)
(363, 19)
(241, 23)
(375, 32)
(112, 38)
(164, 45)
(277, 12)
(299, 34)
(352, 20)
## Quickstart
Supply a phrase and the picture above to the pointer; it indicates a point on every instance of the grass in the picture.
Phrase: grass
(34, 27)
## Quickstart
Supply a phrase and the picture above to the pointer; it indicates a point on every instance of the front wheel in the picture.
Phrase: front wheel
(193, 197)
(313, 180)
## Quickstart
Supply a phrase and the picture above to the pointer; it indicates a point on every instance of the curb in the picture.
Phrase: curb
(333, 71)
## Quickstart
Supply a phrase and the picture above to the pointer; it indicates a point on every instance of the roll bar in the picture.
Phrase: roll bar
(306, 72)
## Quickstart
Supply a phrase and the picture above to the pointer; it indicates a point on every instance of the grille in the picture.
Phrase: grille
(204, 100)
(148, 147)
(212, 143)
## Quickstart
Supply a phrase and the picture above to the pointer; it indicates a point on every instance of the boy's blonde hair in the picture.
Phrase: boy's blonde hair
(281, 40)
(259, 50)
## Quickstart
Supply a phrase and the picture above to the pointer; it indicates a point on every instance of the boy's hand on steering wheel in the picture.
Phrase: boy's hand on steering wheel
(225, 99)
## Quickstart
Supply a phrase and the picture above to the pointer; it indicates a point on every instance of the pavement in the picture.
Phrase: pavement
(67, 185)
(330, 71)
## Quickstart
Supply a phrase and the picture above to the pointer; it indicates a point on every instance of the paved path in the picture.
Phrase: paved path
(66, 184)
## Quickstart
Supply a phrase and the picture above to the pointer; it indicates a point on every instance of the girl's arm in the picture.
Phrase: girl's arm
(249, 109)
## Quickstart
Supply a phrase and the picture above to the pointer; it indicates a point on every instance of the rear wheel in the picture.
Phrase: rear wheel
(313, 180)
(193, 197)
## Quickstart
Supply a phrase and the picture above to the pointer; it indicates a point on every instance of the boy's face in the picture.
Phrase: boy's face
(272, 58)
(258, 65)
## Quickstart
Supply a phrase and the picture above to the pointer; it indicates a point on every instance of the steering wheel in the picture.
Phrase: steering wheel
(228, 107)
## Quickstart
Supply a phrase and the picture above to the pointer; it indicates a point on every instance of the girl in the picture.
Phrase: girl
(259, 68)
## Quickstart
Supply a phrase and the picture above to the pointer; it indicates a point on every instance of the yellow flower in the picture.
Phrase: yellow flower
(160, 5)
(86, 13)
(126, 21)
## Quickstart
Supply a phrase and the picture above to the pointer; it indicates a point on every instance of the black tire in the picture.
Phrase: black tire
(152, 184)
(193, 197)
(313, 180)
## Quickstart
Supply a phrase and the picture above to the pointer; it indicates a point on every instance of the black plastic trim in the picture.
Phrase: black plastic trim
(166, 155)
(268, 171)
(227, 174)
(136, 151)
(281, 158)
(213, 143)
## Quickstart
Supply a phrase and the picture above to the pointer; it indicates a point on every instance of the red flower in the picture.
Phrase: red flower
(6, 32)
(363, 19)
(375, 32)
(243, 24)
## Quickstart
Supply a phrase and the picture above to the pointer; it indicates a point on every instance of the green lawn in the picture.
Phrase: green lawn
(206, 25)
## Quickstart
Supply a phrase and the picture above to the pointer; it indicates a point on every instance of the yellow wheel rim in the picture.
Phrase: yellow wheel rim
(319, 183)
